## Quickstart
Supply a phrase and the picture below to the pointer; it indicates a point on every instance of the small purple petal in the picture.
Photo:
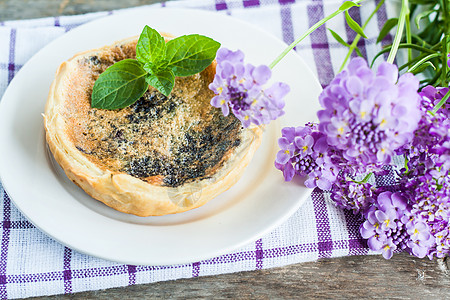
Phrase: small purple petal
(261, 74)
(388, 71)
(283, 143)
(367, 230)
(288, 172)
(282, 157)
(355, 86)
(355, 64)
(224, 54)
(374, 243)
(288, 133)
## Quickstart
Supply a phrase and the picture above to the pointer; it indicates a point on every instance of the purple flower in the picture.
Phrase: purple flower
(430, 211)
(323, 179)
(286, 152)
(368, 116)
(441, 249)
(304, 151)
(239, 87)
(388, 249)
(305, 144)
(351, 195)
(219, 101)
(287, 169)
(384, 226)
(366, 119)
(420, 238)
(377, 239)
(433, 96)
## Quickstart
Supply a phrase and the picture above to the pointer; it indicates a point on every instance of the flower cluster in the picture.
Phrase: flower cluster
(424, 185)
(368, 119)
(426, 180)
(305, 152)
(367, 115)
(240, 87)
(350, 194)
(383, 227)
(390, 225)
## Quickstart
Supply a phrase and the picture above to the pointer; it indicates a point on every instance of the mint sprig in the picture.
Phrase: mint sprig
(190, 54)
(120, 85)
(157, 64)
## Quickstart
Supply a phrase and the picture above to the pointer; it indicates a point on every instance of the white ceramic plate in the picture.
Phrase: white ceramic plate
(257, 204)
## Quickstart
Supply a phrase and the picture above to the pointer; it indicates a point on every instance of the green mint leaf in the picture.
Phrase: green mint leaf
(338, 38)
(151, 46)
(120, 85)
(388, 25)
(353, 25)
(163, 80)
(190, 54)
(154, 67)
(157, 64)
(347, 4)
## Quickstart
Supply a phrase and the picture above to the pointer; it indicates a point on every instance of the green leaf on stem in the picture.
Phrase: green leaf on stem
(157, 63)
(163, 80)
(425, 59)
(151, 46)
(422, 15)
(190, 54)
(400, 46)
(353, 25)
(359, 52)
(422, 67)
(388, 25)
(338, 38)
(120, 85)
(423, 2)
(348, 4)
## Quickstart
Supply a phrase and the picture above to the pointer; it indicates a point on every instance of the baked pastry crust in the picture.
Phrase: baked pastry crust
(67, 106)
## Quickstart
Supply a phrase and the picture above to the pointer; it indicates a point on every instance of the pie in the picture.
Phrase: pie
(161, 155)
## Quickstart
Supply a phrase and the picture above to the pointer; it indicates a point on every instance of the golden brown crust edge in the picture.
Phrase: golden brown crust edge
(124, 192)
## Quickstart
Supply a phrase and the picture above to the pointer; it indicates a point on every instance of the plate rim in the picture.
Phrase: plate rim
(221, 251)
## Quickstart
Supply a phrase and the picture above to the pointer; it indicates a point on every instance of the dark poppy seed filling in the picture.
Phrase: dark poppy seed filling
(198, 152)
(162, 140)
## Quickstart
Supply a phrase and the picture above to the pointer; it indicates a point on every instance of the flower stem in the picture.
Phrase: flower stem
(364, 181)
(308, 32)
(398, 35)
(443, 100)
(445, 42)
(445, 50)
(421, 61)
(358, 37)
(408, 33)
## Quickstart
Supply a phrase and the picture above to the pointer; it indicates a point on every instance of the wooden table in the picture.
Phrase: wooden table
(402, 277)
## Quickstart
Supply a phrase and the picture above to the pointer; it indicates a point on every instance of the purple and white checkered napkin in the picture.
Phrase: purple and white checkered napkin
(32, 264)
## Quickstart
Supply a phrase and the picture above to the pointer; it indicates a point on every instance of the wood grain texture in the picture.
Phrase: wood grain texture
(27, 9)
(402, 277)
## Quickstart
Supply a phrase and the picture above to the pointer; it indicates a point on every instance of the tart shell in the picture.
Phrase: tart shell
(120, 190)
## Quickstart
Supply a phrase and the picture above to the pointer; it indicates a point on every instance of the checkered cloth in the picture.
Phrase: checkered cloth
(33, 264)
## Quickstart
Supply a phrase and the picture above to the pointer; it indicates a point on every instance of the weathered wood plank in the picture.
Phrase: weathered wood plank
(27, 9)
(402, 277)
